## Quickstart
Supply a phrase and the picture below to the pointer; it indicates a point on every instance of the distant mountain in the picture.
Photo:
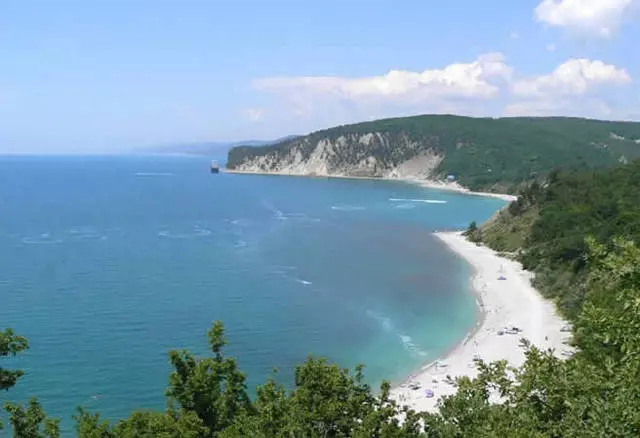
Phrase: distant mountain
(214, 147)
(491, 154)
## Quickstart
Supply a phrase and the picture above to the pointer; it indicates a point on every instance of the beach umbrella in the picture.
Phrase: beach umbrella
(428, 393)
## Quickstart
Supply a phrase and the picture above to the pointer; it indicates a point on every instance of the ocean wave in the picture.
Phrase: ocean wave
(409, 345)
(305, 282)
(277, 213)
(85, 233)
(282, 269)
(300, 217)
(426, 201)
(82, 230)
(388, 327)
(42, 239)
(281, 216)
(153, 174)
(347, 208)
(242, 222)
(197, 232)
(405, 206)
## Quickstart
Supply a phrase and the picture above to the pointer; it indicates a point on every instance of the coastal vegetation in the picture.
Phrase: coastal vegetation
(546, 227)
(578, 230)
(484, 154)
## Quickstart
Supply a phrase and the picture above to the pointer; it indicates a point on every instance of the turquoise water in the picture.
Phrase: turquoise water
(106, 263)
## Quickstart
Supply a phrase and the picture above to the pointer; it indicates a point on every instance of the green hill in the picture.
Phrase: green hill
(496, 154)
(548, 224)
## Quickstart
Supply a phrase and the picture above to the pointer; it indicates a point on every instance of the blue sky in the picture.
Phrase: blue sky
(78, 76)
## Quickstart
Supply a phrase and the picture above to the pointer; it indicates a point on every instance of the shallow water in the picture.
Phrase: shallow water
(106, 263)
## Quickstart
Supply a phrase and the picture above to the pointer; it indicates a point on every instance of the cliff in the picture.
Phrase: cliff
(481, 153)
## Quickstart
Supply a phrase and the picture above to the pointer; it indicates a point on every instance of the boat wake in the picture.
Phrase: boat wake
(405, 206)
(197, 232)
(42, 239)
(304, 282)
(347, 208)
(153, 174)
(426, 201)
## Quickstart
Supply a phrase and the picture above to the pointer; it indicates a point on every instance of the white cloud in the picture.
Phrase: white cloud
(574, 77)
(551, 47)
(514, 35)
(600, 18)
(476, 80)
(563, 107)
(253, 114)
(578, 87)
(487, 86)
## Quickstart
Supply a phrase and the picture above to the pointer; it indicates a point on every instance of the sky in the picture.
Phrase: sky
(109, 76)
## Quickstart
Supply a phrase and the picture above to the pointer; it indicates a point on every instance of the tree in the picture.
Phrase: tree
(10, 345)
(326, 401)
(212, 387)
(142, 425)
(29, 421)
(473, 233)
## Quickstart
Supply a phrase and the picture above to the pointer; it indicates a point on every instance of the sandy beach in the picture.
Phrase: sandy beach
(506, 300)
(430, 184)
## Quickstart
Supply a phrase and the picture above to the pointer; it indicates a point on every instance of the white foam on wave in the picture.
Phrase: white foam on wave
(197, 232)
(305, 282)
(153, 174)
(283, 269)
(277, 213)
(347, 208)
(388, 327)
(42, 239)
(242, 222)
(405, 206)
(409, 345)
(86, 233)
(281, 216)
(426, 201)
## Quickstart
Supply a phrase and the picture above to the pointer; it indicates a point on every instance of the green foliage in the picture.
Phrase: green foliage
(483, 153)
(142, 425)
(473, 233)
(548, 224)
(10, 345)
(31, 421)
(213, 388)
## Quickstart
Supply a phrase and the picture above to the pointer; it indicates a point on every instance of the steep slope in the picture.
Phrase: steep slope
(482, 153)
(546, 227)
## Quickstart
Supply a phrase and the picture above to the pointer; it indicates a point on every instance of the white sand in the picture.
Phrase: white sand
(455, 187)
(503, 303)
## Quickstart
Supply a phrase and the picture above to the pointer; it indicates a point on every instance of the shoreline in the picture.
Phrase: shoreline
(502, 304)
(428, 184)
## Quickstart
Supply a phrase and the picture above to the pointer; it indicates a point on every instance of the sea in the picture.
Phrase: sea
(109, 262)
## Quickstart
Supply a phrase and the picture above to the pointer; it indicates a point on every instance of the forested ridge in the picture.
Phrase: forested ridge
(547, 226)
(577, 230)
(495, 154)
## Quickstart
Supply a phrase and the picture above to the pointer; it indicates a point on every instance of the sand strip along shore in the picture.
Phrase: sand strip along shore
(506, 300)
(430, 184)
